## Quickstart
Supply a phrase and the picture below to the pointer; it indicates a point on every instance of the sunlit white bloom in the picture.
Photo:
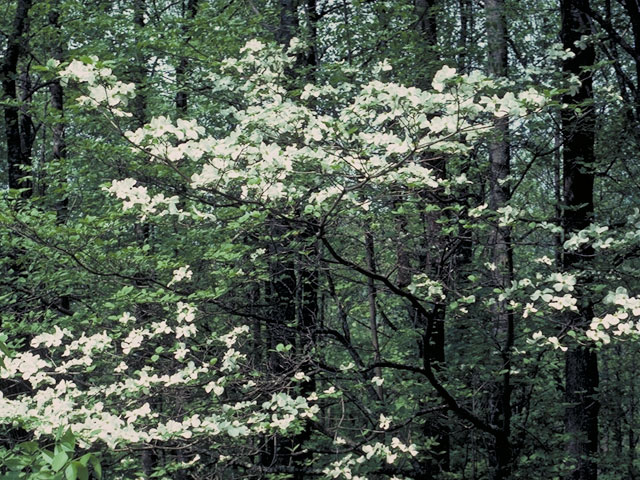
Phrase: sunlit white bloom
(598, 336)
(50, 339)
(186, 331)
(378, 381)
(79, 71)
(252, 46)
(159, 328)
(181, 352)
(441, 77)
(384, 422)
(528, 310)
(133, 415)
(566, 301)
(563, 281)
(214, 386)
(544, 260)
(230, 338)
(186, 312)
(182, 273)
(26, 363)
(121, 367)
(556, 343)
(134, 340)
(301, 376)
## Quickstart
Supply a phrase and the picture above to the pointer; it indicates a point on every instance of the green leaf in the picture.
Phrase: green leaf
(59, 461)
(4, 349)
(14, 463)
(47, 455)
(81, 470)
(28, 447)
(97, 468)
(71, 472)
(68, 440)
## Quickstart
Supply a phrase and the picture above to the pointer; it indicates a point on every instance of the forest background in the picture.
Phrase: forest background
(320, 239)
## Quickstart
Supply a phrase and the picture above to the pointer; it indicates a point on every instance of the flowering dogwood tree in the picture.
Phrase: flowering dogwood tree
(328, 162)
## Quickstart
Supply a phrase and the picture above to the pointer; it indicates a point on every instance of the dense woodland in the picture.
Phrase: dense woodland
(333, 239)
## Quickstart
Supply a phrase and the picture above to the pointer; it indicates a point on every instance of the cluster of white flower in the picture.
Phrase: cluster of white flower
(104, 89)
(250, 159)
(593, 233)
(50, 339)
(133, 195)
(87, 410)
(601, 328)
(230, 338)
(186, 312)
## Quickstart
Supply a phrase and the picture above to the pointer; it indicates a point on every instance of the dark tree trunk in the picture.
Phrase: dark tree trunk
(18, 158)
(373, 321)
(500, 244)
(427, 21)
(465, 7)
(427, 26)
(59, 146)
(432, 344)
(578, 133)
(633, 10)
(191, 9)
(139, 67)
(312, 19)
(288, 22)
(281, 294)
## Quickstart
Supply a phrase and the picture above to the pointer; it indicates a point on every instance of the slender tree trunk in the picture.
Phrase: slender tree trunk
(578, 133)
(632, 470)
(27, 129)
(427, 25)
(312, 20)
(286, 285)
(150, 457)
(191, 9)
(18, 159)
(288, 22)
(500, 244)
(432, 344)
(633, 10)
(59, 147)
(139, 72)
(465, 13)
(373, 321)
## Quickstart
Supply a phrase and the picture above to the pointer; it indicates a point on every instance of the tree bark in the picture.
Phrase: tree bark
(578, 134)
(18, 158)
(288, 22)
(139, 72)
(191, 9)
(59, 147)
(500, 244)
(373, 321)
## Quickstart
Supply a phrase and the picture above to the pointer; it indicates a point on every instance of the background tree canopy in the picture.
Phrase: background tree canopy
(320, 239)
